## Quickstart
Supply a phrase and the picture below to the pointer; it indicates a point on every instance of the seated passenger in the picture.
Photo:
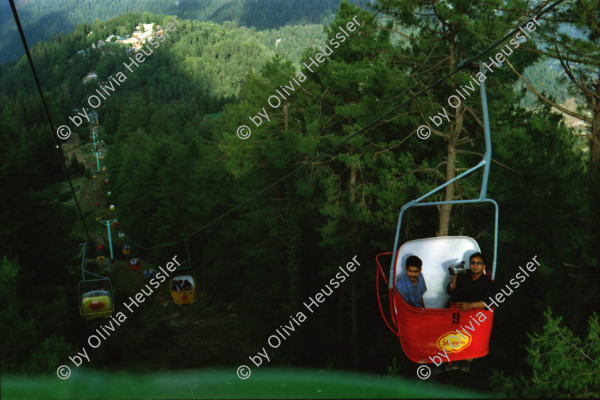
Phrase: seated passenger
(412, 285)
(177, 285)
(471, 289)
(186, 286)
(149, 273)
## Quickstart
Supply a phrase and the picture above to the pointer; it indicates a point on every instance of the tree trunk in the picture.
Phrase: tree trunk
(341, 333)
(595, 138)
(446, 209)
(294, 260)
(294, 267)
(590, 247)
(354, 287)
(355, 340)
(285, 110)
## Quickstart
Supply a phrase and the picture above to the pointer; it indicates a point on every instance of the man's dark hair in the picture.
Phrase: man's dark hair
(478, 254)
(414, 261)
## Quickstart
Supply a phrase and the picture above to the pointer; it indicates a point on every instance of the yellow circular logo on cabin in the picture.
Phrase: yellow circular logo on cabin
(454, 342)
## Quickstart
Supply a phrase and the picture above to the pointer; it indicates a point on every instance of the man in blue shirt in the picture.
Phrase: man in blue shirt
(412, 285)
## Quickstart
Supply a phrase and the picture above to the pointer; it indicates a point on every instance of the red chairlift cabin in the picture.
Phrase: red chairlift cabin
(135, 264)
(423, 333)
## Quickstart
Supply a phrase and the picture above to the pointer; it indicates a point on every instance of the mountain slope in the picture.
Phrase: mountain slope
(43, 18)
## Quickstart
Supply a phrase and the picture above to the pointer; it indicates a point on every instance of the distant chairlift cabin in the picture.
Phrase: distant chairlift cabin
(95, 295)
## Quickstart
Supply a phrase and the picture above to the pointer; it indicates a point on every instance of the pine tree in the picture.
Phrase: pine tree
(560, 364)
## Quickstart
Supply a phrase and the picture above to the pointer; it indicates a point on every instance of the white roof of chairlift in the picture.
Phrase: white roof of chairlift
(95, 293)
(184, 277)
(437, 254)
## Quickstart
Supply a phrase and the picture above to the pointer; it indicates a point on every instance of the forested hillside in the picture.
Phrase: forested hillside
(215, 57)
(44, 18)
(266, 232)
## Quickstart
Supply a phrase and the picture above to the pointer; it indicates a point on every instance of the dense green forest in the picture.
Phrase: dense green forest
(175, 164)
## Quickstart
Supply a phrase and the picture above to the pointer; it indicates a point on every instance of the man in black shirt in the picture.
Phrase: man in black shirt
(470, 290)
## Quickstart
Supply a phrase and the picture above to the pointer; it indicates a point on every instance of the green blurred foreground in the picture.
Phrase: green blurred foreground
(263, 383)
